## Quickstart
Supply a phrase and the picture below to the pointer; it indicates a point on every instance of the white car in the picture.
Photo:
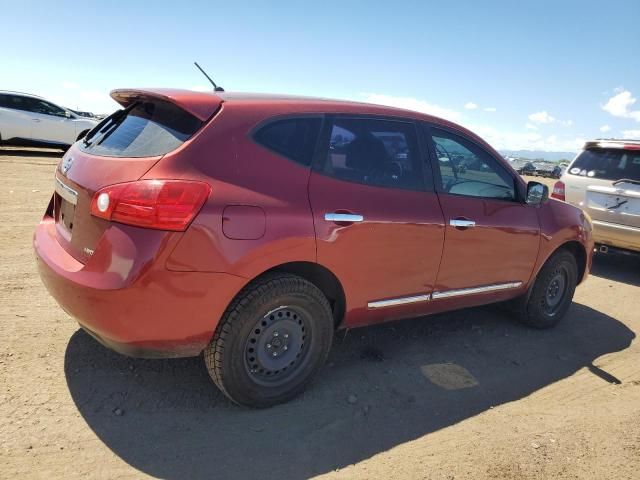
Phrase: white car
(29, 120)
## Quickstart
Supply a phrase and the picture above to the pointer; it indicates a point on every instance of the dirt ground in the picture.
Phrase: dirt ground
(468, 394)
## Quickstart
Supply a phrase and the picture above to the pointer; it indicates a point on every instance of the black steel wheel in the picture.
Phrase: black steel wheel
(548, 300)
(278, 345)
(271, 341)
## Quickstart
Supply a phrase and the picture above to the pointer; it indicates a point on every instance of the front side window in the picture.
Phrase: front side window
(144, 129)
(374, 152)
(294, 138)
(466, 169)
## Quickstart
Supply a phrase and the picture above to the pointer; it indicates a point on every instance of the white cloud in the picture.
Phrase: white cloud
(629, 134)
(605, 128)
(620, 105)
(490, 109)
(498, 138)
(542, 117)
(411, 103)
(200, 88)
(507, 140)
(470, 106)
(530, 126)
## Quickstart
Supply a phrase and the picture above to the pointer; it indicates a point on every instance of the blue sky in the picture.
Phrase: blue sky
(545, 76)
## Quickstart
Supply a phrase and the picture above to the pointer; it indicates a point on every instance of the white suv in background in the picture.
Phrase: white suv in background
(29, 120)
(604, 180)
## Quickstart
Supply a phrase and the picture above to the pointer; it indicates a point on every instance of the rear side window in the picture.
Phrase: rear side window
(608, 164)
(16, 102)
(144, 129)
(377, 152)
(294, 138)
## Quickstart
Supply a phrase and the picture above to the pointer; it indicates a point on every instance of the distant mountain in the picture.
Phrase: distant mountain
(539, 155)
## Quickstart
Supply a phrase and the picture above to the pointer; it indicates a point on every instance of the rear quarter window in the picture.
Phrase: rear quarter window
(146, 129)
(294, 138)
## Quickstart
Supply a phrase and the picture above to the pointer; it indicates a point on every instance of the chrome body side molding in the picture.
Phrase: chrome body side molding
(392, 302)
(473, 290)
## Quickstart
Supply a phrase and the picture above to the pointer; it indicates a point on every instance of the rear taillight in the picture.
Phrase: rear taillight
(158, 204)
(558, 191)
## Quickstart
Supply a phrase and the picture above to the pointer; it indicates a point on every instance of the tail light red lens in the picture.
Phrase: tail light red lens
(157, 204)
(558, 191)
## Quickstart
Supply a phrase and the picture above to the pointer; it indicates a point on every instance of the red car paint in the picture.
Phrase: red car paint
(157, 293)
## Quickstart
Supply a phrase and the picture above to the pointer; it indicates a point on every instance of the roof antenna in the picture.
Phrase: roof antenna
(215, 87)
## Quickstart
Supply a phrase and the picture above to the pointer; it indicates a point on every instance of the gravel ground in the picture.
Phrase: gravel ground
(463, 395)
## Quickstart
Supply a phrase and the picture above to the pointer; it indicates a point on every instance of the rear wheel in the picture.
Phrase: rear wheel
(548, 300)
(271, 341)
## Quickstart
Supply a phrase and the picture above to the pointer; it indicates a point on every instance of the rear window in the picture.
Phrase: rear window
(145, 129)
(294, 138)
(608, 164)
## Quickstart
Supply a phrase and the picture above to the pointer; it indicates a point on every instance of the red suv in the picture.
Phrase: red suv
(251, 227)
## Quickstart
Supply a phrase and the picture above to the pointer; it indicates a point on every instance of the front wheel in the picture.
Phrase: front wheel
(271, 341)
(548, 300)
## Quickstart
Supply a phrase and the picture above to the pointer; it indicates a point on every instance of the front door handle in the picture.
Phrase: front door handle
(36, 120)
(462, 223)
(343, 217)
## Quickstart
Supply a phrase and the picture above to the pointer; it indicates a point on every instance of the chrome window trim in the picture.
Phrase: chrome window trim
(473, 290)
(392, 302)
(68, 193)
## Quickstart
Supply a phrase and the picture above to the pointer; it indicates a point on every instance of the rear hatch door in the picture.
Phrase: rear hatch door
(120, 149)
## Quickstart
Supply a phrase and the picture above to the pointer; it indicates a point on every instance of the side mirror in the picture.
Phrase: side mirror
(537, 193)
(67, 114)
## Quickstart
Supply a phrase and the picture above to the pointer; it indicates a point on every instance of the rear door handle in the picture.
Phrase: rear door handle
(462, 223)
(343, 217)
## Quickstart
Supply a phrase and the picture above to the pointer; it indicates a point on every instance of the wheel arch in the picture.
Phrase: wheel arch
(579, 252)
(321, 277)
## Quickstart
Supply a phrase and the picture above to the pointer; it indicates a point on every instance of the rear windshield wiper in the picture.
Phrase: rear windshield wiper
(627, 180)
(109, 125)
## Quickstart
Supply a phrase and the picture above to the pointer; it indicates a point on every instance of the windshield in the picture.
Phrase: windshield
(608, 164)
(144, 129)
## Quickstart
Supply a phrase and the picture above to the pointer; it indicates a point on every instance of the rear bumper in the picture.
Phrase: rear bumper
(125, 297)
(615, 235)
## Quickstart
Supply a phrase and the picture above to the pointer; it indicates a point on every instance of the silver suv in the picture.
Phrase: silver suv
(604, 180)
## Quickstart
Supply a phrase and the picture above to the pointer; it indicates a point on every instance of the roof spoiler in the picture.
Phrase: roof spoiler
(201, 105)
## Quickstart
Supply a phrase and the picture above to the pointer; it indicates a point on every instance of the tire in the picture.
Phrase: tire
(548, 300)
(271, 341)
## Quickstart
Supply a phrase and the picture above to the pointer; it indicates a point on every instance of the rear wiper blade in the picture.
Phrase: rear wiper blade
(109, 124)
(627, 180)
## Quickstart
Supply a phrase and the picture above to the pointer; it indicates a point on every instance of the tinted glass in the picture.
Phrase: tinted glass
(467, 169)
(609, 164)
(4, 101)
(374, 152)
(45, 108)
(146, 130)
(295, 138)
(17, 102)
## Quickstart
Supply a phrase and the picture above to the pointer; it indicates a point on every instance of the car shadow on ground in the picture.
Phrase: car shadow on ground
(383, 386)
(617, 267)
(30, 153)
